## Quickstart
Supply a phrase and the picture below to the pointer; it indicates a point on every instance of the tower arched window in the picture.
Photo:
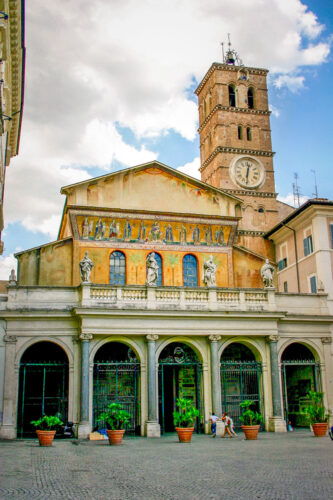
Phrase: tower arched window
(159, 262)
(240, 132)
(249, 134)
(190, 270)
(250, 98)
(232, 96)
(117, 268)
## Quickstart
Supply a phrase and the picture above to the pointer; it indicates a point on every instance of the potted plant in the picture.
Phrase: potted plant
(251, 420)
(115, 419)
(46, 428)
(184, 419)
(316, 413)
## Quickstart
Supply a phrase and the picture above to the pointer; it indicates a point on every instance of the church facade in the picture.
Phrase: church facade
(160, 286)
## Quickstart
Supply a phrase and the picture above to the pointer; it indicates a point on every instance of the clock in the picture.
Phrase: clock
(247, 172)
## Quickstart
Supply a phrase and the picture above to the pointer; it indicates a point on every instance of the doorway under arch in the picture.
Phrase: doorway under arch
(300, 374)
(241, 379)
(43, 385)
(180, 375)
(117, 380)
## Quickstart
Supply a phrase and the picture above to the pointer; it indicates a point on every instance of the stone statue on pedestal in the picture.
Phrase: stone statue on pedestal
(267, 273)
(86, 265)
(152, 270)
(209, 272)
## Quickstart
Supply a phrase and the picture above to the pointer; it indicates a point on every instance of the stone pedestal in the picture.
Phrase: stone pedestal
(219, 428)
(277, 424)
(152, 429)
(83, 430)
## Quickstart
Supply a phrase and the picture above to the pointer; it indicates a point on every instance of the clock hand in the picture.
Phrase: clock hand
(247, 173)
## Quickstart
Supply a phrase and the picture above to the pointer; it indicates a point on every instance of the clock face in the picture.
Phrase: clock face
(248, 172)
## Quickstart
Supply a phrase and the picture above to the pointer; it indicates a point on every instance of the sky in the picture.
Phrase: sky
(110, 84)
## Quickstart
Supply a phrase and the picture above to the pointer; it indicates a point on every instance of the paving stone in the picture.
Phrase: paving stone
(275, 467)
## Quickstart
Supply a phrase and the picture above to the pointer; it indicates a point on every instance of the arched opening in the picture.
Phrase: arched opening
(300, 374)
(250, 98)
(190, 271)
(241, 379)
(43, 385)
(240, 132)
(158, 259)
(248, 134)
(232, 96)
(116, 380)
(180, 375)
(117, 268)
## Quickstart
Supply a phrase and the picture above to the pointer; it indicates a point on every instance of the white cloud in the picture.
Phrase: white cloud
(191, 168)
(290, 199)
(274, 110)
(6, 265)
(294, 83)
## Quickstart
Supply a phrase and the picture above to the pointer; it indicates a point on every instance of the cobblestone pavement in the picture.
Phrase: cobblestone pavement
(288, 466)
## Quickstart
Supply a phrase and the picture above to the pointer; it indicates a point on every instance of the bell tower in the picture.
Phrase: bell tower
(235, 139)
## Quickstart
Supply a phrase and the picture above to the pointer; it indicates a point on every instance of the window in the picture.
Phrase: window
(159, 262)
(285, 286)
(250, 98)
(117, 268)
(308, 245)
(313, 284)
(249, 134)
(190, 270)
(232, 96)
(240, 132)
(282, 264)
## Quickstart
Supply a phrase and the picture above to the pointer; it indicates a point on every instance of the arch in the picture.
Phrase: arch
(159, 261)
(195, 346)
(240, 132)
(248, 133)
(232, 95)
(237, 351)
(255, 347)
(309, 344)
(250, 98)
(190, 270)
(43, 384)
(52, 340)
(117, 274)
(117, 338)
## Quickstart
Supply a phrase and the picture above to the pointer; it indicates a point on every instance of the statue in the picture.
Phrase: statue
(152, 270)
(209, 272)
(12, 277)
(85, 268)
(267, 272)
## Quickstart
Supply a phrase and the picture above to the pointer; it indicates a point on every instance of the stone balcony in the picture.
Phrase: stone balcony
(161, 298)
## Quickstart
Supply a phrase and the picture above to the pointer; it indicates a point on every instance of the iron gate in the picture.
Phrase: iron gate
(117, 382)
(241, 380)
(43, 390)
(294, 403)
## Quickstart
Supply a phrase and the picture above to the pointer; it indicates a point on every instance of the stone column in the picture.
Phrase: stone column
(216, 381)
(327, 375)
(8, 428)
(276, 421)
(84, 425)
(153, 428)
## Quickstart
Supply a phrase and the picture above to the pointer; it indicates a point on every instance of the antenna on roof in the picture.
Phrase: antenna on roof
(296, 191)
(231, 57)
(315, 194)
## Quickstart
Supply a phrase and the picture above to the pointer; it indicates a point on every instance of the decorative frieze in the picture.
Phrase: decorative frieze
(239, 151)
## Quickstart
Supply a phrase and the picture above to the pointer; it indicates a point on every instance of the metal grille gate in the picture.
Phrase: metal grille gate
(117, 382)
(241, 380)
(43, 390)
(293, 403)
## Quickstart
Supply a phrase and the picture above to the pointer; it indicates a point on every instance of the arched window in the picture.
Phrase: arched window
(232, 96)
(117, 268)
(190, 270)
(250, 98)
(159, 262)
(249, 134)
(240, 132)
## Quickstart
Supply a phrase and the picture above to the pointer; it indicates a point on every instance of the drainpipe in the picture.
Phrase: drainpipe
(296, 254)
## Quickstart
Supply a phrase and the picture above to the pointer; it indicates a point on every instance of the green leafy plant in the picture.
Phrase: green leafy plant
(249, 417)
(186, 413)
(315, 410)
(115, 417)
(47, 423)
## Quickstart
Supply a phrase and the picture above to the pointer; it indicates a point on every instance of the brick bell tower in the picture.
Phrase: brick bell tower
(235, 141)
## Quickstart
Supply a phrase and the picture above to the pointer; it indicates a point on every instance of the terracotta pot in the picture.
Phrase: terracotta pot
(184, 434)
(45, 437)
(115, 437)
(320, 429)
(251, 431)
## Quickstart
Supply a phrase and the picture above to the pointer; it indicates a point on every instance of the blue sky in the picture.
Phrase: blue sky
(114, 88)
